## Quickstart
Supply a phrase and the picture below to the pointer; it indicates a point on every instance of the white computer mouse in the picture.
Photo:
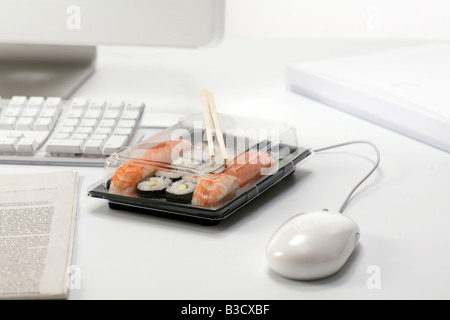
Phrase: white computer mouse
(312, 245)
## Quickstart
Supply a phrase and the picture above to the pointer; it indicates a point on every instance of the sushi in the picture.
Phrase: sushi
(213, 189)
(127, 176)
(181, 191)
(193, 178)
(170, 174)
(168, 151)
(153, 187)
(208, 189)
(250, 166)
(186, 163)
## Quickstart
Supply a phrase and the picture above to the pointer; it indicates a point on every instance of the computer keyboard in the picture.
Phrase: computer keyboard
(38, 130)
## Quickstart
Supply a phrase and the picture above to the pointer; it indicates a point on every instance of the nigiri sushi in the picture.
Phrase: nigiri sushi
(249, 166)
(168, 151)
(214, 188)
(127, 176)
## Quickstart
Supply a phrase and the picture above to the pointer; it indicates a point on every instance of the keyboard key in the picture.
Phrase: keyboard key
(8, 145)
(80, 136)
(93, 114)
(107, 123)
(116, 105)
(70, 122)
(13, 112)
(134, 106)
(27, 145)
(130, 115)
(114, 143)
(49, 113)
(85, 130)
(60, 136)
(75, 114)
(123, 132)
(104, 130)
(79, 103)
(7, 123)
(43, 124)
(18, 102)
(111, 114)
(68, 130)
(35, 102)
(97, 105)
(12, 134)
(126, 124)
(65, 146)
(53, 103)
(97, 136)
(89, 123)
(94, 147)
(31, 112)
(40, 136)
(25, 124)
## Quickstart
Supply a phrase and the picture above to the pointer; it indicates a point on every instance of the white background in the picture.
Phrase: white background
(375, 19)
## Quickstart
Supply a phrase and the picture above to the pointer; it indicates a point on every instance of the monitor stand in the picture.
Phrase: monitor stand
(44, 70)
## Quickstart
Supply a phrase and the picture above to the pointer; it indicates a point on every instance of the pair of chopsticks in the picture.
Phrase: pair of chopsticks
(210, 111)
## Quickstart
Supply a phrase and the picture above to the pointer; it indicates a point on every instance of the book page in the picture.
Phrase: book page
(37, 219)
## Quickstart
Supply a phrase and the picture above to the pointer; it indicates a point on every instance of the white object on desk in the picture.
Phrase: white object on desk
(312, 245)
(405, 90)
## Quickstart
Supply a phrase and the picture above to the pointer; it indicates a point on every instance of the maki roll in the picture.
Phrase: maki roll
(170, 174)
(194, 178)
(153, 187)
(187, 162)
(181, 191)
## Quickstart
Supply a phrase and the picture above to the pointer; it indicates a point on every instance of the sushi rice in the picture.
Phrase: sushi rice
(181, 191)
(170, 174)
(153, 187)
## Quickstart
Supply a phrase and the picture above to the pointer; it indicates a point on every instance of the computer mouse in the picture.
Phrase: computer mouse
(312, 245)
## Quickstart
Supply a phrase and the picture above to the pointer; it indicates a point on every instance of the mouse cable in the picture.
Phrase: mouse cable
(347, 200)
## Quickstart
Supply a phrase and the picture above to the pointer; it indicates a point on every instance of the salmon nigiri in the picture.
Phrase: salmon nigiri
(168, 151)
(127, 176)
(249, 166)
(214, 188)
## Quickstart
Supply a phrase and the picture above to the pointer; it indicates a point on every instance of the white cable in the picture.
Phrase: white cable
(347, 200)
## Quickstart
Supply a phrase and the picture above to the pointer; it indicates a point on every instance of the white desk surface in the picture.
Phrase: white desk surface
(403, 211)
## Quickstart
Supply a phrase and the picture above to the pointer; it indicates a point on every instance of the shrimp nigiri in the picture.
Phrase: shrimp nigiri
(214, 188)
(249, 166)
(127, 176)
(168, 151)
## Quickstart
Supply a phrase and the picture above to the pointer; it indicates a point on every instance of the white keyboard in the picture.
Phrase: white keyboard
(38, 130)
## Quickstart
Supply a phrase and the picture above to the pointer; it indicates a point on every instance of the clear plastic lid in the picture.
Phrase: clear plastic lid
(175, 165)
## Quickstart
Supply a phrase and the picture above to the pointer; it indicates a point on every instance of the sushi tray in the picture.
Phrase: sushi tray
(172, 173)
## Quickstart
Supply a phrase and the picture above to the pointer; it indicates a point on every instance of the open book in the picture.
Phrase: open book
(37, 220)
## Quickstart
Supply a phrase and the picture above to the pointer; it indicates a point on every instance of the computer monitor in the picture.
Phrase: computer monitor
(48, 47)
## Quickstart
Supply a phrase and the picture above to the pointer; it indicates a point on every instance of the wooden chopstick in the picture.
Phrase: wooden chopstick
(219, 134)
(207, 116)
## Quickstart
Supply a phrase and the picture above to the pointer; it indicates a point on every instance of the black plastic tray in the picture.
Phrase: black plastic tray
(203, 216)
